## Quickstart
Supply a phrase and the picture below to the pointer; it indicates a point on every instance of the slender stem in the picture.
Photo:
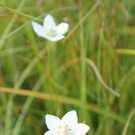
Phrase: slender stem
(49, 57)
(10, 101)
(26, 107)
(49, 89)
(128, 121)
(99, 66)
(83, 71)
(49, 64)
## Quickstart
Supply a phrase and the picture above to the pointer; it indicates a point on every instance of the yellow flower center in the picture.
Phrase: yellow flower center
(64, 130)
(50, 31)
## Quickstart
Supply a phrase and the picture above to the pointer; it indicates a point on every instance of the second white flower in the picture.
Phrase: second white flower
(68, 125)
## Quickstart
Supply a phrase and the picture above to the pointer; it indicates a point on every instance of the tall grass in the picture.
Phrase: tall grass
(86, 71)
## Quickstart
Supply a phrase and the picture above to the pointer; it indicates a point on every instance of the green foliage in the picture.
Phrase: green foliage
(102, 31)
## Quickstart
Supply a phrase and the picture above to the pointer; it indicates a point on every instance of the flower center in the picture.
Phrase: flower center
(65, 130)
(50, 31)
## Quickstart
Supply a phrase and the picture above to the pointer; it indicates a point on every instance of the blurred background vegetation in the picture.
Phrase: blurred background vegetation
(102, 31)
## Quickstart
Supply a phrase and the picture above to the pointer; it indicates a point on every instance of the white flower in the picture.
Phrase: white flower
(49, 30)
(68, 125)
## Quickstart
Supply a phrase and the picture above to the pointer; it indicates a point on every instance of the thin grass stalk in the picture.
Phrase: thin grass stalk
(83, 71)
(26, 107)
(8, 28)
(9, 105)
(65, 100)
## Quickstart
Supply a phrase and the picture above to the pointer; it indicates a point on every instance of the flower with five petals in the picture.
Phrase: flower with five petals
(68, 125)
(49, 30)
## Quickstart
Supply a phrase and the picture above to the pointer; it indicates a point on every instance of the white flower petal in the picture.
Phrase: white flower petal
(49, 21)
(50, 133)
(74, 133)
(62, 28)
(56, 38)
(39, 30)
(52, 122)
(70, 118)
(80, 128)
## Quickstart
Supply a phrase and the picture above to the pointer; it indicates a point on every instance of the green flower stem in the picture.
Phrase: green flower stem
(83, 71)
(49, 89)
(49, 57)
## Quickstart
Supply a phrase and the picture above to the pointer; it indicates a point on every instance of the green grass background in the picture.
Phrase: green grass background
(100, 30)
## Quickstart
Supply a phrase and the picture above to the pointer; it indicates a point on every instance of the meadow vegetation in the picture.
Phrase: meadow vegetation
(86, 71)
